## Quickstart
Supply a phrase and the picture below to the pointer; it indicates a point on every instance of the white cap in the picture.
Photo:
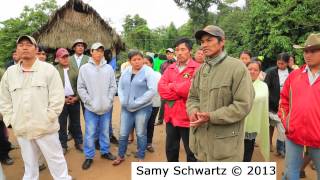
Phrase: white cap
(96, 45)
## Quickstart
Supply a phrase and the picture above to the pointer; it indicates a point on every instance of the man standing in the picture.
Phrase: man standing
(299, 110)
(96, 88)
(14, 60)
(79, 59)
(170, 60)
(31, 99)
(275, 79)
(173, 88)
(71, 106)
(220, 97)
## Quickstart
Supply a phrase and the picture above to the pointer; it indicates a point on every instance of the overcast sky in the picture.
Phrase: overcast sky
(156, 12)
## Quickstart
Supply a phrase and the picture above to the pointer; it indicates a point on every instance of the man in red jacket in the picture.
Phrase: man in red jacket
(174, 88)
(299, 110)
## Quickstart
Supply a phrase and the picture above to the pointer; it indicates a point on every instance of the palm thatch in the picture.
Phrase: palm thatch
(77, 20)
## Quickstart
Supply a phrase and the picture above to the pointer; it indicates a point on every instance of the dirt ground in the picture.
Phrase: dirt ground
(102, 169)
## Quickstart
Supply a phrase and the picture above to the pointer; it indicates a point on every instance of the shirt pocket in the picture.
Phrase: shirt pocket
(220, 95)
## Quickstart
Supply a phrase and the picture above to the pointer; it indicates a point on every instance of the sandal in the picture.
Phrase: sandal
(118, 161)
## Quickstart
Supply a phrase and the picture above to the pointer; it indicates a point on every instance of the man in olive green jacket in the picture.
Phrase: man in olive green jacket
(220, 97)
(71, 108)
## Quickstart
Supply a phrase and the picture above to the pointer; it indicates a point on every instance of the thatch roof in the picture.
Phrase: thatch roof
(77, 20)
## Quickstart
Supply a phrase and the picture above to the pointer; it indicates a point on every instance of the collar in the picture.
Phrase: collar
(34, 67)
(307, 69)
(102, 62)
(76, 56)
(215, 60)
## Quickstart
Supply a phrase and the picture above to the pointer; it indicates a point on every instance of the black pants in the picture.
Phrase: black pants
(248, 149)
(5, 145)
(174, 134)
(73, 111)
(150, 126)
(82, 107)
(161, 113)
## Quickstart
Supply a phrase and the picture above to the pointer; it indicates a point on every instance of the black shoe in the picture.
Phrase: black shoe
(114, 140)
(7, 161)
(108, 156)
(42, 167)
(79, 147)
(87, 163)
(150, 148)
(302, 174)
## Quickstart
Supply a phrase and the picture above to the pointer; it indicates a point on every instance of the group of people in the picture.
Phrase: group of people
(216, 104)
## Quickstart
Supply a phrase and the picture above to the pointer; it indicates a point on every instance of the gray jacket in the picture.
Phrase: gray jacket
(97, 86)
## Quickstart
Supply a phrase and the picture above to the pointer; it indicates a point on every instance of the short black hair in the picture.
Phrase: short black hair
(149, 58)
(283, 57)
(186, 41)
(246, 52)
(134, 53)
(42, 48)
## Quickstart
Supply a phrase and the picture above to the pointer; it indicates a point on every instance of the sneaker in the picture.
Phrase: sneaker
(108, 156)
(150, 149)
(42, 167)
(114, 140)
(302, 174)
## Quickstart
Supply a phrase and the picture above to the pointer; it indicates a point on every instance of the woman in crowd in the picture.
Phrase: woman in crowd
(137, 87)
(156, 102)
(257, 121)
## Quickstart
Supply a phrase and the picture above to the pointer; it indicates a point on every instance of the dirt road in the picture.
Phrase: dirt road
(102, 169)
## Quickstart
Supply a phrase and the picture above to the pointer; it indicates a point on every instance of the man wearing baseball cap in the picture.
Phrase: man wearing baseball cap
(96, 87)
(31, 99)
(71, 107)
(299, 110)
(220, 97)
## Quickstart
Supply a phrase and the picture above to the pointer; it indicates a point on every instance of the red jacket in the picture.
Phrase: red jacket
(174, 88)
(299, 109)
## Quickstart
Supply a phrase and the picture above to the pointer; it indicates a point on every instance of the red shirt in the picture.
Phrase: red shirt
(174, 88)
(299, 109)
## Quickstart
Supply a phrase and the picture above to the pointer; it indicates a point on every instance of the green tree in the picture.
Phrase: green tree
(29, 21)
(137, 33)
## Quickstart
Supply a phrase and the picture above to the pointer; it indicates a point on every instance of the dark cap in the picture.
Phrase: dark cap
(211, 30)
(29, 38)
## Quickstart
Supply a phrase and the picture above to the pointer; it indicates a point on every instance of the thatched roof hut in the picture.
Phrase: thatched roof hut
(74, 20)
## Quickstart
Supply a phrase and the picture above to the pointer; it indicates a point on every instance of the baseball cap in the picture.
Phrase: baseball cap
(61, 52)
(212, 30)
(170, 50)
(96, 45)
(29, 38)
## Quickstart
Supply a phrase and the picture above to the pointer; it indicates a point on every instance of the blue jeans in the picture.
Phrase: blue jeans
(110, 125)
(294, 160)
(93, 121)
(138, 120)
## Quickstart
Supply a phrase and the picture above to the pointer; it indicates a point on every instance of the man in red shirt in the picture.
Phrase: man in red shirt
(299, 110)
(174, 88)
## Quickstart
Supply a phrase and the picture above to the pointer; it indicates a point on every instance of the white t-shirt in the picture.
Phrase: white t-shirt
(68, 91)
(78, 59)
(283, 74)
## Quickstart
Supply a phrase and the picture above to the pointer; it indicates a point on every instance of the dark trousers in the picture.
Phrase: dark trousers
(82, 107)
(248, 149)
(150, 126)
(5, 145)
(73, 111)
(161, 113)
(174, 134)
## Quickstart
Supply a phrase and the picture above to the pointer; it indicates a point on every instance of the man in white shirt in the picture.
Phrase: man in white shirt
(72, 105)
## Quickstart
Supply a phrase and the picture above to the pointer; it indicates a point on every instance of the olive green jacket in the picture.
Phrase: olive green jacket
(73, 62)
(73, 77)
(223, 88)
